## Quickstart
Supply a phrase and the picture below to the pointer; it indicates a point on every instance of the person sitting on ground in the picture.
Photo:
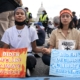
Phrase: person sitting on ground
(7, 15)
(22, 36)
(50, 28)
(41, 36)
(56, 22)
(63, 34)
(75, 20)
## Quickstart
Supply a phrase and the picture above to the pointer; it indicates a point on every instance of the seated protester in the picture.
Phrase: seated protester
(75, 20)
(22, 36)
(56, 22)
(65, 33)
(50, 28)
(41, 34)
(78, 26)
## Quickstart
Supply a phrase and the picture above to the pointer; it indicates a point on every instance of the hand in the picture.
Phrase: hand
(46, 51)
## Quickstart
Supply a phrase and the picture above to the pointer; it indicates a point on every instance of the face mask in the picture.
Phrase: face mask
(20, 23)
(42, 12)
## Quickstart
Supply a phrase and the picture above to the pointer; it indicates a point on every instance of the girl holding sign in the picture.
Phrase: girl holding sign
(63, 38)
(22, 36)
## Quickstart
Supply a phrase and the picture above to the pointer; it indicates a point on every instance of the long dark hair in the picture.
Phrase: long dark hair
(70, 24)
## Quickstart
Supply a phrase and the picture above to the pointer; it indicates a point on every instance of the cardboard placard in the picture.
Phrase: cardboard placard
(13, 62)
(65, 63)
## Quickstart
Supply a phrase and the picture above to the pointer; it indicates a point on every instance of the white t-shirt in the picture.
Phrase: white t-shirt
(28, 35)
(66, 44)
(51, 26)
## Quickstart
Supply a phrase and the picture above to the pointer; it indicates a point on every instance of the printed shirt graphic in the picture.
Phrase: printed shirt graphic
(66, 44)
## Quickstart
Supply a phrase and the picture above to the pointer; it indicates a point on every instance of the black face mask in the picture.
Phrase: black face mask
(20, 23)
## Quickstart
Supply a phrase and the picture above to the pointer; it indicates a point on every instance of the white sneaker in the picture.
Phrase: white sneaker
(28, 73)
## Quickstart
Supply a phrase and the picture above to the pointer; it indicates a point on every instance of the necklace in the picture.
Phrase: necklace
(19, 33)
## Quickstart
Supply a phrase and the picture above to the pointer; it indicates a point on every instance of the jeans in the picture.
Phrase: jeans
(46, 59)
(31, 62)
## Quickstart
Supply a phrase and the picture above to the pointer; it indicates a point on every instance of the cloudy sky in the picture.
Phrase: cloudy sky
(52, 6)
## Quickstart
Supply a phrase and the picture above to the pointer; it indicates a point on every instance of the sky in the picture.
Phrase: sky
(52, 7)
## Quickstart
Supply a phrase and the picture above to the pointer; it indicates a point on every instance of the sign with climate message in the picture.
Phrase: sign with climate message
(65, 63)
(13, 62)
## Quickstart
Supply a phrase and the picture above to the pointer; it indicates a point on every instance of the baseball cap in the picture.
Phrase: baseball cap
(39, 23)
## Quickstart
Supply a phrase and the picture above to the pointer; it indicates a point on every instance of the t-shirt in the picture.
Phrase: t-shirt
(27, 35)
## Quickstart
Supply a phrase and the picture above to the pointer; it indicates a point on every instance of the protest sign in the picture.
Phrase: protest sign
(13, 62)
(65, 63)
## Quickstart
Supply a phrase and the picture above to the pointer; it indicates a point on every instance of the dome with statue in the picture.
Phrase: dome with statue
(40, 10)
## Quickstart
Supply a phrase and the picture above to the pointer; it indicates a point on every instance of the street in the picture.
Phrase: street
(40, 69)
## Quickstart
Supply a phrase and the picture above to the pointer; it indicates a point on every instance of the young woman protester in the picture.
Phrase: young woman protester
(22, 36)
(65, 37)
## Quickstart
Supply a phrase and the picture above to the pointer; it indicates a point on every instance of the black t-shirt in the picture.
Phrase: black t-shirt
(7, 5)
(75, 20)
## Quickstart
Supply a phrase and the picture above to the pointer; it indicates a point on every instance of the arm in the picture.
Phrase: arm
(47, 19)
(47, 50)
(78, 41)
(52, 42)
(5, 45)
(35, 48)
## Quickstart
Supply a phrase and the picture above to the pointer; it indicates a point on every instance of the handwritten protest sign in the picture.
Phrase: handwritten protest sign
(13, 62)
(65, 63)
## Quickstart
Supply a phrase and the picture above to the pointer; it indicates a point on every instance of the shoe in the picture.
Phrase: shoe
(28, 73)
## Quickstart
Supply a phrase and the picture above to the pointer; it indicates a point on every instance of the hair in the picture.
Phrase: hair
(73, 12)
(70, 24)
(56, 20)
(26, 8)
(26, 22)
(19, 8)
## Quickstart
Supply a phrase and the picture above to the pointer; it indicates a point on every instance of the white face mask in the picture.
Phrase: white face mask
(42, 12)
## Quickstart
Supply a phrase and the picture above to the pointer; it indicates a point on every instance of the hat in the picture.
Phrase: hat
(39, 23)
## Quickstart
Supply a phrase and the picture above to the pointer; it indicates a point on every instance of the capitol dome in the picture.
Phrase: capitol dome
(40, 10)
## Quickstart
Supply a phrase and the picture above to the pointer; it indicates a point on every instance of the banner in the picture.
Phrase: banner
(13, 62)
(65, 63)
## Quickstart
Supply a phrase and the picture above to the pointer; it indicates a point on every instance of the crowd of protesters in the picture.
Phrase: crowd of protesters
(16, 32)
